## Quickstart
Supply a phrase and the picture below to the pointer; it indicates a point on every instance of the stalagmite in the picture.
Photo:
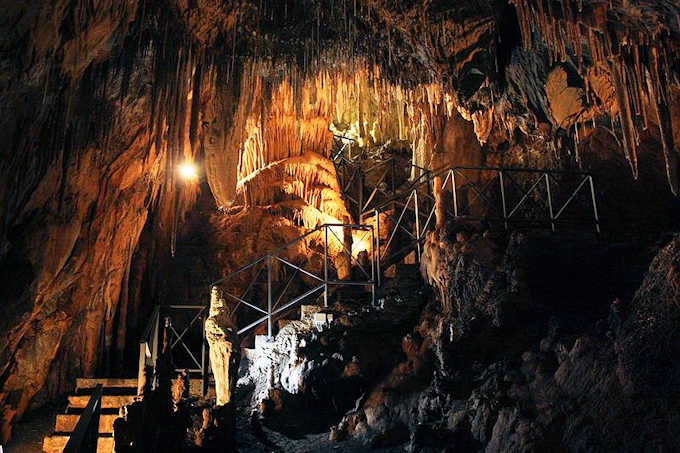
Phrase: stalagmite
(223, 341)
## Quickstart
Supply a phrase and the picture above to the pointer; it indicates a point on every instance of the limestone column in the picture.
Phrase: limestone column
(223, 341)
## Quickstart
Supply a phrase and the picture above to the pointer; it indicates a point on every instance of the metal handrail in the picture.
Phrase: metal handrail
(358, 170)
(149, 344)
(344, 137)
(505, 170)
(325, 281)
(341, 151)
(84, 437)
(415, 202)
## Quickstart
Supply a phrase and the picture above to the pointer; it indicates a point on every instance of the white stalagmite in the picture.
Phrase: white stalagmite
(224, 347)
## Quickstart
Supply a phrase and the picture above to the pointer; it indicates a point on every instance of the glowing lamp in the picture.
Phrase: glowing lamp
(188, 171)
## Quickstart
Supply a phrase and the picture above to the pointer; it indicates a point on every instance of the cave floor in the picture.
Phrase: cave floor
(262, 439)
(28, 434)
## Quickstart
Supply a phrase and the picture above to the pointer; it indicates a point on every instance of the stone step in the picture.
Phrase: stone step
(91, 383)
(248, 353)
(307, 311)
(56, 444)
(263, 341)
(66, 423)
(108, 401)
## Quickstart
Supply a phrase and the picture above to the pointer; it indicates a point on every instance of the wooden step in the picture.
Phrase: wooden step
(108, 401)
(66, 423)
(56, 444)
(89, 383)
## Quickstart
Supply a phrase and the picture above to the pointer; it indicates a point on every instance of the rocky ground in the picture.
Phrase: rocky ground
(518, 350)
(30, 432)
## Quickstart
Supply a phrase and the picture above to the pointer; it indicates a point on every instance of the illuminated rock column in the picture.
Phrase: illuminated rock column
(224, 347)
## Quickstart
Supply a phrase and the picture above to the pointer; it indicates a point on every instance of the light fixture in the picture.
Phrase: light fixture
(188, 171)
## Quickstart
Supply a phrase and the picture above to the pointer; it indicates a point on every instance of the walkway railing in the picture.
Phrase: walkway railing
(181, 324)
(342, 145)
(385, 180)
(263, 300)
(524, 195)
(517, 197)
(84, 437)
(499, 196)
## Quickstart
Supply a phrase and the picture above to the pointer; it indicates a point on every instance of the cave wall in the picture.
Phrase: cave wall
(86, 165)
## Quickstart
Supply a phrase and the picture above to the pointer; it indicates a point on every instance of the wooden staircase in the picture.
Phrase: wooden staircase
(116, 393)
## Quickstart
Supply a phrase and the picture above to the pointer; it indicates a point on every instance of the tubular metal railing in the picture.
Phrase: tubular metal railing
(84, 437)
(525, 195)
(509, 197)
(342, 143)
(275, 264)
(505, 196)
(389, 177)
(179, 323)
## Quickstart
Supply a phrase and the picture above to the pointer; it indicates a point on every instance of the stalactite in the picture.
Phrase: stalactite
(633, 42)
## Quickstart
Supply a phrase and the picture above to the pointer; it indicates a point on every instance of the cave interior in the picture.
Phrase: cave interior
(356, 225)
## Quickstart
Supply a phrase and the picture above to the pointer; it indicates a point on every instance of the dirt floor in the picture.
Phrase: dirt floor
(28, 434)
(251, 438)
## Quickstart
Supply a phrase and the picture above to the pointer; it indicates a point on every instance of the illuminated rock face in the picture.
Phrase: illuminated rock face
(641, 69)
(224, 348)
(102, 100)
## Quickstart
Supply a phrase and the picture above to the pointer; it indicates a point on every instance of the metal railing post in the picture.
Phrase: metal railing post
(154, 346)
(415, 199)
(269, 296)
(455, 194)
(325, 268)
(361, 195)
(141, 365)
(505, 209)
(592, 195)
(377, 246)
(550, 206)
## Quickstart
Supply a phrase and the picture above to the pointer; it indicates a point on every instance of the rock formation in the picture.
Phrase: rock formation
(573, 387)
(224, 345)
